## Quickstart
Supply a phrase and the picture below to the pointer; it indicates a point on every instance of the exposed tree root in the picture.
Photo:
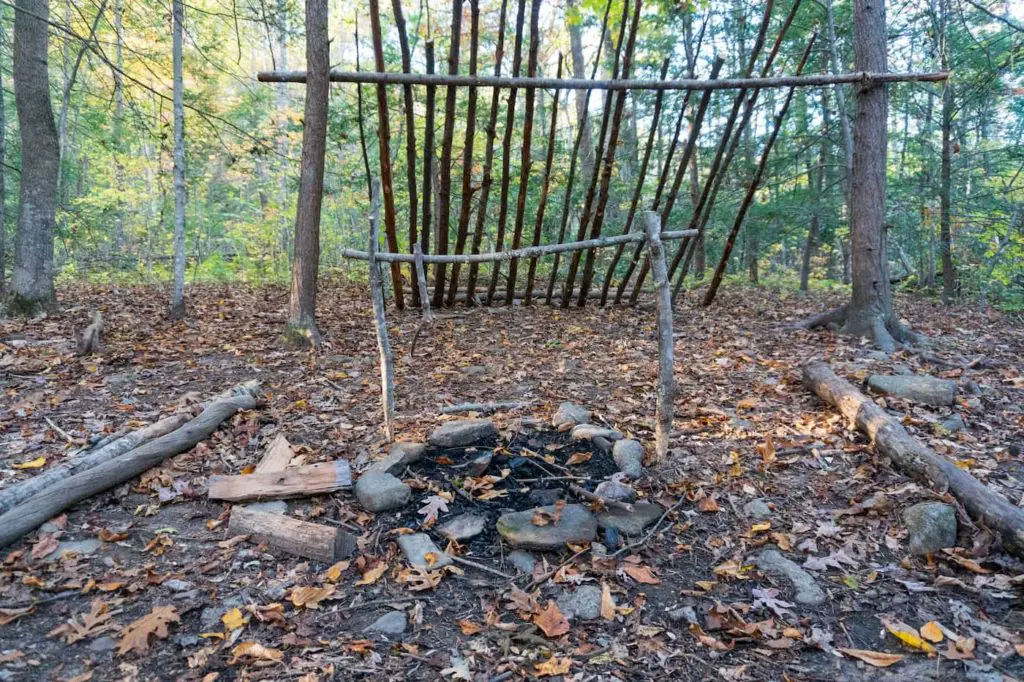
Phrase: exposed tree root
(886, 331)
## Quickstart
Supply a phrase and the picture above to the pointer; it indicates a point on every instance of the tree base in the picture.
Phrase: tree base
(300, 336)
(177, 311)
(886, 331)
(18, 305)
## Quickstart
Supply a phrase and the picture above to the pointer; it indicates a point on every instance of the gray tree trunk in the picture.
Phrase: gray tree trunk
(32, 281)
(306, 258)
(579, 71)
(946, 182)
(118, 127)
(3, 167)
(178, 292)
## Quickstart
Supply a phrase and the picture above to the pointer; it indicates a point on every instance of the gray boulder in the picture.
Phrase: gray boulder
(392, 623)
(462, 527)
(772, 562)
(575, 525)
(757, 509)
(523, 561)
(415, 547)
(920, 389)
(615, 490)
(931, 526)
(569, 414)
(402, 455)
(462, 432)
(583, 602)
(629, 457)
(954, 423)
(378, 491)
(630, 523)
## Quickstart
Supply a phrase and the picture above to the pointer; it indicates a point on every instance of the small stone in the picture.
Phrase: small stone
(478, 466)
(575, 525)
(523, 561)
(757, 509)
(402, 455)
(462, 527)
(545, 496)
(598, 549)
(590, 431)
(972, 387)
(876, 355)
(615, 490)
(741, 424)
(921, 389)
(272, 507)
(629, 457)
(101, 644)
(417, 546)
(476, 370)
(772, 562)
(583, 602)
(685, 614)
(630, 523)
(463, 432)
(392, 623)
(953, 424)
(175, 585)
(931, 526)
(569, 414)
(379, 492)
(79, 547)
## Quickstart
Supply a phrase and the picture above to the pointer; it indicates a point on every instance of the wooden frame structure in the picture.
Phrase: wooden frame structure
(649, 254)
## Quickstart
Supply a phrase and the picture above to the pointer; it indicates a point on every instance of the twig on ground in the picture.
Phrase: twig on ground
(480, 567)
(45, 600)
(485, 408)
(587, 495)
(64, 434)
(650, 534)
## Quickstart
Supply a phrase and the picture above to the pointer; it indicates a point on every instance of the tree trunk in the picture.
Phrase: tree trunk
(32, 281)
(3, 169)
(582, 99)
(118, 129)
(306, 259)
(178, 293)
(945, 189)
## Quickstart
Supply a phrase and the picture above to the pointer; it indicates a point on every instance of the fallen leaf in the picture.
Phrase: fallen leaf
(931, 631)
(578, 458)
(85, 625)
(908, 636)
(607, 603)
(373, 575)
(708, 505)
(37, 463)
(554, 666)
(420, 579)
(879, 659)
(310, 597)
(11, 615)
(257, 651)
(709, 641)
(334, 572)
(468, 627)
(233, 619)
(135, 636)
(435, 504)
(641, 574)
(551, 620)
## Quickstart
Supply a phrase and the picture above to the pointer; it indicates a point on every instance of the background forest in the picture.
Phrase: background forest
(956, 161)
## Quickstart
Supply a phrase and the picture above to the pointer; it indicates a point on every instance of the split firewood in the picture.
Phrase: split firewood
(301, 538)
(56, 498)
(985, 506)
(277, 456)
(313, 479)
(88, 341)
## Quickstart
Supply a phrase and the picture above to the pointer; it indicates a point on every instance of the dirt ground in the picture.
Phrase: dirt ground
(686, 602)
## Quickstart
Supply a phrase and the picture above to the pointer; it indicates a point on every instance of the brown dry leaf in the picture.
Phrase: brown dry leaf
(578, 458)
(107, 535)
(419, 579)
(641, 574)
(109, 587)
(310, 597)
(11, 615)
(373, 575)
(468, 627)
(607, 603)
(551, 620)
(554, 666)
(931, 631)
(45, 545)
(335, 571)
(879, 659)
(964, 562)
(435, 505)
(257, 651)
(85, 625)
(708, 505)
(135, 636)
(709, 641)
(522, 602)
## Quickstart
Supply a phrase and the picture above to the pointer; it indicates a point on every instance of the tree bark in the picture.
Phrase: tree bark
(3, 169)
(587, 159)
(946, 182)
(410, 130)
(306, 259)
(915, 460)
(664, 410)
(387, 365)
(32, 280)
(178, 292)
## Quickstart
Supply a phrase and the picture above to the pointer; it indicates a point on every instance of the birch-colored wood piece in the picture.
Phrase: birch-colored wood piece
(301, 481)
(301, 538)
(664, 410)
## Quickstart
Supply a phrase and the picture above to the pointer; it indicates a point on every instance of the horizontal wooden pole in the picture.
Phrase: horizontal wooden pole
(517, 253)
(526, 83)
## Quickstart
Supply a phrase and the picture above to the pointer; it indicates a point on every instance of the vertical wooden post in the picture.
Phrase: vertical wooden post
(410, 128)
(421, 281)
(428, 152)
(666, 350)
(387, 366)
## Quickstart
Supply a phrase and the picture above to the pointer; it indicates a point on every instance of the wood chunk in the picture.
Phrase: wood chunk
(314, 479)
(301, 538)
(277, 456)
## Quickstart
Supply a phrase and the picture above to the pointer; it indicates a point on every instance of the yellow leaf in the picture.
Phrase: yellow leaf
(335, 571)
(37, 463)
(931, 631)
(233, 619)
(554, 666)
(310, 597)
(879, 659)
(256, 650)
(908, 636)
(761, 527)
(373, 575)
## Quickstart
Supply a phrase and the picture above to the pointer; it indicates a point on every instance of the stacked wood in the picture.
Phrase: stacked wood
(56, 498)
(911, 457)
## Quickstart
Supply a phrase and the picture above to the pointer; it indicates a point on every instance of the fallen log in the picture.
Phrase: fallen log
(484, 408)
(86, 459)
(51, 501)
(313, 479)
(920, 463)
(301, 538)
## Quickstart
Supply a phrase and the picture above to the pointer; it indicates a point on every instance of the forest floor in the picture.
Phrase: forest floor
(747, 430)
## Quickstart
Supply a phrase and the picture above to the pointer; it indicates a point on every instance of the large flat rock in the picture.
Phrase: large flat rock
(576, 524)
(920, 389)
(630, 523)
(462, 433)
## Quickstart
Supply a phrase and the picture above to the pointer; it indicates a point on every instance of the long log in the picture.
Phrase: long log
(301, 538)
(863, 78)
(915, 460)
(36, 510)
(666, 348)
(86, 459)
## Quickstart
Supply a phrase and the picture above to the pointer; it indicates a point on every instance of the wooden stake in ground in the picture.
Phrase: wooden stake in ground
(915, 460)
(301, 538)
(666, 348)
(387, 368)
(55, 499)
